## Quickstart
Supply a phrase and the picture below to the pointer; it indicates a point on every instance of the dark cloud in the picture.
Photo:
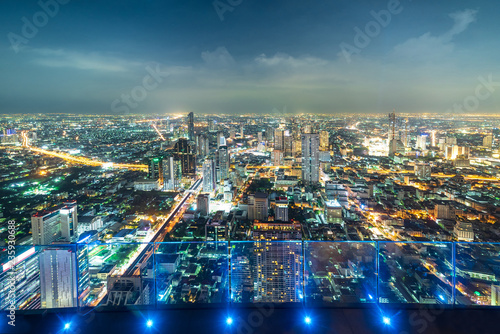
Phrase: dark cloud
(262, 55)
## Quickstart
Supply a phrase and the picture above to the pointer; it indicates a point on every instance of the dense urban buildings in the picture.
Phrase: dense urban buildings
(249, 166)
(280, 183)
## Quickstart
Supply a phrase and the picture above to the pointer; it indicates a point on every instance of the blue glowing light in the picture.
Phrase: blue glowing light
(386, 320)
(229, 321)
(67, 325)
(307, 320)
(149, 323)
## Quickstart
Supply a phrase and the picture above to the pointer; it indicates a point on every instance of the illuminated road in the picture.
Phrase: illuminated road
(158, 131)
(76, 159)
(146, 248)
(169, 223)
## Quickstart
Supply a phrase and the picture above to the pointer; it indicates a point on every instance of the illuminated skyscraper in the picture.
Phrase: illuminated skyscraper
(191, 126)
(392, 135)
(202, 145)
(172, 173)
(488, 141)
(203, 204)
(155, 166)
(260, 207)
(281, 211)
(59, 224)
(45, 227)
(58, 286)
(221, 140)
(224, 161)
(209, 176)
(324, 141)
(279, 139)
(422, 142)
(288, 144)
(184, 152)
(310, 158)
(69, 220)
(278, 276)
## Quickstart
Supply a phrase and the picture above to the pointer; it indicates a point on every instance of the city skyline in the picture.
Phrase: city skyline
(230, 166)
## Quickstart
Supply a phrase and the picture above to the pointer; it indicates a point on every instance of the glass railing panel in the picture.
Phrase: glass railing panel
(340, 272)
(477, 274)
(116, 275)
(191, 273)
(415, 272)
(38, 277)
(266, 271)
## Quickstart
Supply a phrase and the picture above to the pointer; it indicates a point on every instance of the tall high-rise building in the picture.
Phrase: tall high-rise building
(259, 207)
(269, 134)
(433, 138)
(209, 176)
(422, 142)
(202, 145)
(406, 136)
(392, 138)
(212, 125)
(288, 144)
(224, 161)
(310, 158)
(191, 126)
(488, 141)
(203, 203)
(45, 227)
(324, 140)
(281, 212)
(172, 172)
(69, 220)
(155, 167)
(83, 269)
(455, 151)
(278, 277)
(221, 140)
(184, 152)
(58, 284)
(279, 139)
(59, 224)
(26, 264)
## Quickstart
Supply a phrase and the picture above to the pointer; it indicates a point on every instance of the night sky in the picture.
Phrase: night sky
(251, 56)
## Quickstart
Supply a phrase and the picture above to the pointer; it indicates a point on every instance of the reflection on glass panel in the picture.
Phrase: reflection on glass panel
(191, 272)
(264, 271)
(116, 274)
(39, 277)
(478, 274)
(342, 272)
(415, 272)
